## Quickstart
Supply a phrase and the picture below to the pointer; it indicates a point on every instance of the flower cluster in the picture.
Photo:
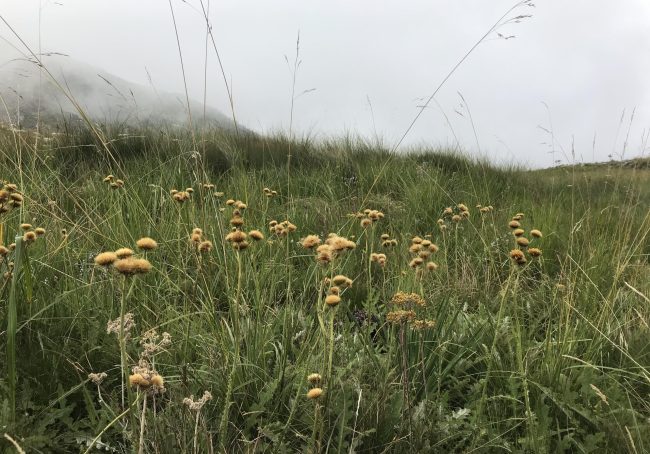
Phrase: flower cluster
(282, 228)
(333, 247)
(10, 197)
(124, 261)
(113, 183)
(368, 217)
(386, 240)
(146, 379)
(523, 243)
(269, 193)
(422, 250)
(315, 391)
(198, 241)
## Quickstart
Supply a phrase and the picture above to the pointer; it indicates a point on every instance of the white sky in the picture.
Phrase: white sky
(588, 60)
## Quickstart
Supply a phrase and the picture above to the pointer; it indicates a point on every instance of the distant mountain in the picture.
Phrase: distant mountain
(103, 96)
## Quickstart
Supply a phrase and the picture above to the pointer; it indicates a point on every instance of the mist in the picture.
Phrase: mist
(566, 84)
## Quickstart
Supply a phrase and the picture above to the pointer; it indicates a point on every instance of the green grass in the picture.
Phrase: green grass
(552, 356)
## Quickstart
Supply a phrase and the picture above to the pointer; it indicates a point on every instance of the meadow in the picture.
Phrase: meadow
(165, 291)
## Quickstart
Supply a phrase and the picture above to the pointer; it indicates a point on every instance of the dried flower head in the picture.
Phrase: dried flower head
(432, 266)
(421, 325)
(314, 393)
(310, 241)
(113, 326)
(314, 378)
(523, 241)
(26, 226)
(39, 231)
(205, 246)
(29, 237)
(517, 256)
(536, 233)
(131, 266)
(236, 236)
(198, 404)
(124, 252)
(518, 232)
(97, 378)
(332, 300)
(534, 252)
(456, 218)
(514, 224)
(146, 244)
(256, 235)
(105, 258)
(400, 316)
(407, 299)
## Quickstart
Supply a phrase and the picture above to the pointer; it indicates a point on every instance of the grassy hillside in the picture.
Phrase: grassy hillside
(468, 351)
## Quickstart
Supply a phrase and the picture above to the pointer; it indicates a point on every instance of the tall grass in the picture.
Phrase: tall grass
(551, 356)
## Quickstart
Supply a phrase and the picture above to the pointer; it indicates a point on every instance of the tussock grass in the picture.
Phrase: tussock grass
(550, 355)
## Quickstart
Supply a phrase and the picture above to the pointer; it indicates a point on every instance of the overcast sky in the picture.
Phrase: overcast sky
(371, 62)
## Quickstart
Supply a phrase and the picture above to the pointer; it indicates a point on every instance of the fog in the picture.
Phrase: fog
(568, 83)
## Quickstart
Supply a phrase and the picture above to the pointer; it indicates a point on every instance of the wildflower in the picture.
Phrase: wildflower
(332, 300)
(236, 236)
(205, 246)
(189, 190)
(417, 261)
(26, 226)
(462, 207)
(197, 231)
(124, 252)
(97, 378)
(39, 231)
(366, 222)
(105, 258)
(518, 232)
(324, 254)
(131, 266)
(113, 327)
(119, 183)
(230, 202)
(415, 248)
(448, 211)
(385, 236)
(198, 404)
(3, 251)
(407, 299)
(314, 378)
(518, 256)
(241, 245)
(256, 235)
(108, 178)
(421, 325)
(340, 279)
(455, 218)
(146, 244)
(400, 316)
(195, 238)
(334, 290)
(29, 237)
(417, 240)
(523, 241)
(536, 233)
(534, 252)
(432, 266)
(241, 205)
(314, 393)
(237, 221)
(218, 194)
(514, 224)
